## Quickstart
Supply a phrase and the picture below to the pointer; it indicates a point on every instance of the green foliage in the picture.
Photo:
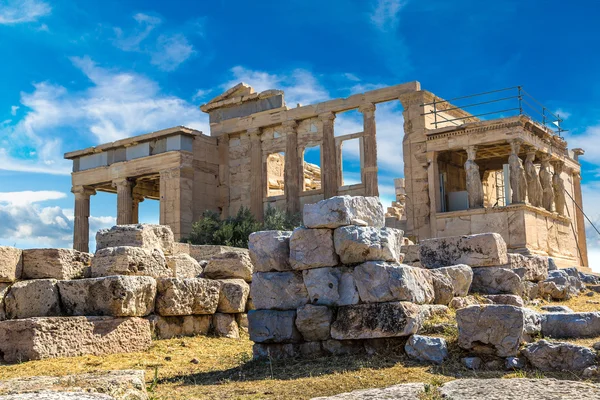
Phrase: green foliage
(234, 231)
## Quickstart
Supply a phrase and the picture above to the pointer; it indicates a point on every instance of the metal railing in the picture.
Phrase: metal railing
(505, 102)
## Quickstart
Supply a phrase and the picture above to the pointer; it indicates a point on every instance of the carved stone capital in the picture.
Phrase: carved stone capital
(82, 192)
(515, 145)
(123, 183)
(471, 152)
(289, 126)
(367, 109)
(254, 133)
(328, 116)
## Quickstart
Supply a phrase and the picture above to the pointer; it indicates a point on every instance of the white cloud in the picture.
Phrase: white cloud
(564, 115)
(171, 51)
(389, 42)
(13, 110)
(588, 140)
(20, 11)
(201, 94)
(131, 42)
(30, 197)
(385, 14)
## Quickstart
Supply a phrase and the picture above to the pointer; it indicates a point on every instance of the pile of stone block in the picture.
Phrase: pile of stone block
(61, 302)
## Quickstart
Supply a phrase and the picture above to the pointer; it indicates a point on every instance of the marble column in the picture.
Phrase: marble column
(137, 199)
(124, 200)
(258, 187)
(546, 181)
(370, 149)
(81, 228)
(534, 187)
(474, 185)
(518, 182)
(329, 171)
(579, 217)
(293, 171)
(558, 185)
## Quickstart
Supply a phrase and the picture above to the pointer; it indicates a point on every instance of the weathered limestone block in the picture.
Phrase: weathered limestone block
(443, 289)
(224, 325)
(460, 275)
(530, 290)
(369, 321)
(55, 264)
(462, 302)
(312, 248)
(331, 286)
(426, 348)
(411, 253)
(559, 356)
(270, 250)
(233, 296)
(571, 325)
(201, 252)
(496, 280)
(535, 268)
(357, 244)
(405, 391)
(270, 326)
(278, 290)
(380, 281)
(184, 266)
(148, 236)
(532, 327)
(11, 264)
(344, 210)
(116, 296)
(490, 329)
(509, 299)
(314, 322)
(560, 285)
(3, 290)
(126, 260)
(481, 250)
(230, 265)
(190, 296)
(242, 321)
(186, 325)
(35, 298)
(39, 338)
(181, 248)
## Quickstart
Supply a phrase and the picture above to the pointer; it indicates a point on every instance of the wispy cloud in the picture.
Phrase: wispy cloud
(171, 51)
(385, 14)
(30, 197)
(20, 11)
(13, 110)
(391, 45)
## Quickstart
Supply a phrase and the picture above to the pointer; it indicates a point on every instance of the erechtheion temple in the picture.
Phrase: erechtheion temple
(462, 174)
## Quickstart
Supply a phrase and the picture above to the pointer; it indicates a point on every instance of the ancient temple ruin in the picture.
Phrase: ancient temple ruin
(462, 174)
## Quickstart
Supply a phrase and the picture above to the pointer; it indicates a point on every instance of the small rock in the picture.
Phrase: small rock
(194, 361)
(471, 362)
(590, 372)
(509, 299)
(557, 309)
(596, 346)
(559, 356)
(425, 348)
(494, 365)
(513, 363)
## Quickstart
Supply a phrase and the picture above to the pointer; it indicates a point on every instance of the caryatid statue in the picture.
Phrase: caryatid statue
(559, 188)
(474, 185)
(534, 187)
(518, 182)
(546, 181)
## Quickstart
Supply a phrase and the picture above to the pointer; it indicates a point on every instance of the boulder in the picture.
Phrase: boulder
(126, 260)
(278, 290)
(270, 326)
(432, 310)
(571, 325)
(490, 329)
(443, 289)
(270, 250)
(370, 321)
(559, 356)
(379, 282)
(230, 265)
(357, 244)
(426, 348)
(460, 275)
(557, 309)
(11, 264)
(233, 296)
(116, 296)
(185, 325)
(532, 268)
(314, 322)
(496, 280)
(509, 299)
(590, 279)
(39, 338)
(201, 252)
(481, 250)
(405, 391)
(331, 286)
(224, 325)
(147, 236)
(560, 285)
(530, 290)
(190, 296)
(35, 298)
(312, 248)
(344, 210)
(532, 324)
(55, 264)
(183, 266)
(411, 253)
(3, 290)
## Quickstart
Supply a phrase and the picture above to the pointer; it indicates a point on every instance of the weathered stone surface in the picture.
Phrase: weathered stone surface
(405, 391)
(230, 265)
(535, 268)
(496, 280)
(560, 285)
(411, 253)
(571, 325)
(471, 362)
(343, 347)
(270, 250)
(344, 210)
(121, 385)
(116, 296)
(200, 252)
(233, 296)
(312, 248)
(126, 260)
(314, 322)
(184, 266)
(426, 348)
(39, 338)
(462, 302)
(559, 356)
(368, 321)
(530, 290)
(190, 296)
(224, 325)
(186, 325)
(278, 290)
(270, 326)
(11, 264)
(357, 244)
(481, 250)
(55, 264)
(3, 290)
(443, 289)
(460, 275)
(35, 298)
(331, 286)
(379, 281)
(557, 309)
(146, 236)
(509, 299)
(532, 324)
(491, 329)
(242, 321)
(431, 310)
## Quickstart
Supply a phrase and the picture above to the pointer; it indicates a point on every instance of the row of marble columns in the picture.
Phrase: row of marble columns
(546, 189)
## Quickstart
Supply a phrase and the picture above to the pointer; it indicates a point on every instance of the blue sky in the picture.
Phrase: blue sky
(76, 74)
